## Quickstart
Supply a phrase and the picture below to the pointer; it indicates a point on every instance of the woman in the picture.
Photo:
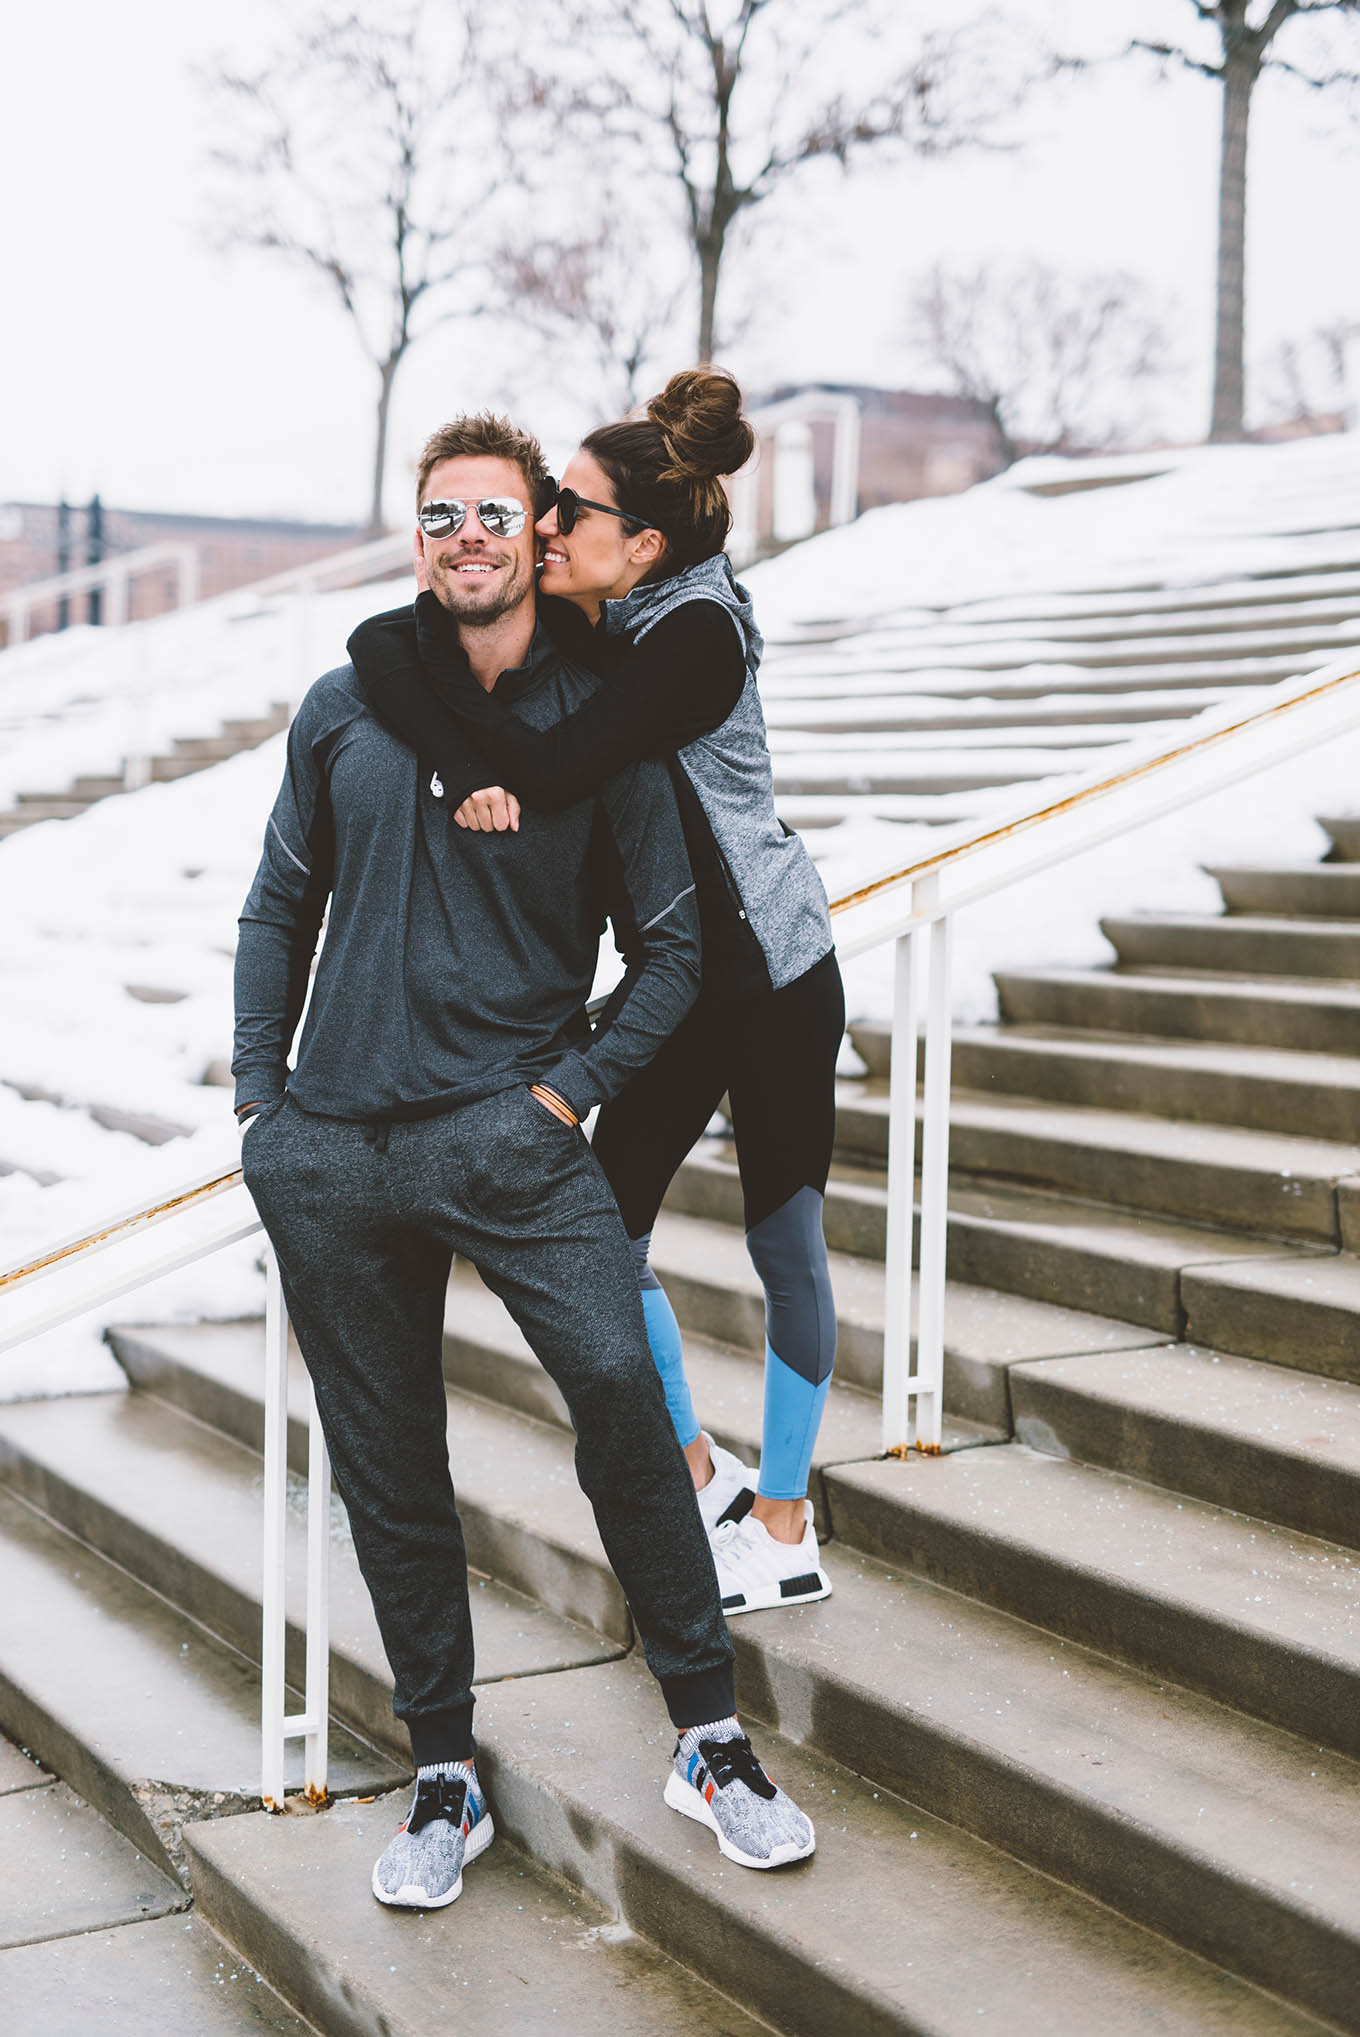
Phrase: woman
(634, 545)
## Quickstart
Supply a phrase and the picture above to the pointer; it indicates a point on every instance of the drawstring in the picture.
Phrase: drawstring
(377, 1133)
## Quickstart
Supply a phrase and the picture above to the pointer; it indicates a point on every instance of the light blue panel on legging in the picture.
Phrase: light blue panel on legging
(793, 1415)
(667, 1346)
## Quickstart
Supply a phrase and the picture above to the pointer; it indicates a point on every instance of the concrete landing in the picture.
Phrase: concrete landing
(63, 1870)
(170, 1978)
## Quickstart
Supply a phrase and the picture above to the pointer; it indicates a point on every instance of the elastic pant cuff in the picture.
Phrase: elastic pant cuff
(705, 1694)
(442, 1736)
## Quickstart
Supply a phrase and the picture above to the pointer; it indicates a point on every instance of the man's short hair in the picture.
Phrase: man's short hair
(489, 437)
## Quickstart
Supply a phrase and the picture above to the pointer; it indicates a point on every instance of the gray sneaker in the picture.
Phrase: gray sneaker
(447, 1827)
(719, 1783)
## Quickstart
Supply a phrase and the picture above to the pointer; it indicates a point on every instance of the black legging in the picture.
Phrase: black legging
(774, 1055)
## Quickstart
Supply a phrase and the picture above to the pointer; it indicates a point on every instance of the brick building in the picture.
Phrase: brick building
(827, 451)
(232, 551)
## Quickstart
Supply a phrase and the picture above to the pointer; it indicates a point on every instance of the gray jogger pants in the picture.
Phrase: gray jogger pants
(364, 1220)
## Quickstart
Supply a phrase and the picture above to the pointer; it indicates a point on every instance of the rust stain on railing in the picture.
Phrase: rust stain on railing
(1130, 777)
(186, 1200)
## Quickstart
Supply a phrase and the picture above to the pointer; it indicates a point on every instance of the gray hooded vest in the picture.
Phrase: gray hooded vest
(777, 886)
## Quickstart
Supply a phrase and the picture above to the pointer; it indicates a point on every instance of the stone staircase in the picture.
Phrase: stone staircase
(1079, 1726)
(185, 756)
(926, 715)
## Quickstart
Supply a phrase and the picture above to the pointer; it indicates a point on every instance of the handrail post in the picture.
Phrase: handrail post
(318, 1605)
(275, 1578)
(901, 1190)
(934, 1192)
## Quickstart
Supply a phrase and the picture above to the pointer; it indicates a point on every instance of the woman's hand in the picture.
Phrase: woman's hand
(490, 811)
(422, 573)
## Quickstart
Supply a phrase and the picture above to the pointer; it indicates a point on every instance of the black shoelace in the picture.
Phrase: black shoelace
(438, 1796)
(735, 1761)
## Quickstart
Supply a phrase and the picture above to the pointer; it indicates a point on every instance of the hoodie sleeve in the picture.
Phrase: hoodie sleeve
(281, 919)
(661, 981)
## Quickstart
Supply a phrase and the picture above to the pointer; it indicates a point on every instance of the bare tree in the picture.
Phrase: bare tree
(1063, 362)
(354, 155)
(599, 296)
(1303, 381)
(1238, 44)
(731, 100)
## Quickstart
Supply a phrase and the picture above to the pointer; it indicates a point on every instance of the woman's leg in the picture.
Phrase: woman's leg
(781, 1083)
(641, 1138)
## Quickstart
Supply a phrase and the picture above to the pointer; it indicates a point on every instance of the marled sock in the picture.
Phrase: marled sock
(721, 1729)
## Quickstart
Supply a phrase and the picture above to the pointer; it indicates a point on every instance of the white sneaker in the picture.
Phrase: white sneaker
(756, 1572)
(731, 1479)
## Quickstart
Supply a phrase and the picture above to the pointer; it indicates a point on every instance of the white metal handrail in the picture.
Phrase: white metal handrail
(914, 907)
(1227, 747)
(131, 1247)
(114, 574)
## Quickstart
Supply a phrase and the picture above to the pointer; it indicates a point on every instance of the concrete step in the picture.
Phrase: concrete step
(97, 788)
(170, 1728)
(485, 1355)
(178, 1506)
(210, 749)
(1302, 1317)
(1054, 1248)
(1254, 1615)
(1029, 675)
(894, 783)
(913, 713)
(1236, 1432)
(1328, 891)
(257, 728)
(1314, 1096)
(1264, 1182)
(72, 796)
(1246, 946)
(170, 1978)
(1344, 830)
(44, 806)
(66, 1871)
(519, 1953)
(822, 1947)
(714, 1290)
(1321, 1018)
(165, 770)
(1228, 1835)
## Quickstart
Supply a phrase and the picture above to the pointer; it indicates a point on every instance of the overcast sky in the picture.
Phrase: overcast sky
(137, 361)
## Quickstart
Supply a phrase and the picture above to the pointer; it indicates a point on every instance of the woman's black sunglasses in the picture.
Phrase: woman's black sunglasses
(569, 505)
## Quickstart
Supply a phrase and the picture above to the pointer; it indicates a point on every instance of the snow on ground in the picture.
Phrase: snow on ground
(120, 925)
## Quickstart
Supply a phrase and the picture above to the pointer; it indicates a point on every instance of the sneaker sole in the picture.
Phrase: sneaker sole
(411, 1896)
(788, 1591)
(683, 1797)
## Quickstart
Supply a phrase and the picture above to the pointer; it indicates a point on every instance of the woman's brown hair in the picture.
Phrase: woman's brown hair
(666, 467)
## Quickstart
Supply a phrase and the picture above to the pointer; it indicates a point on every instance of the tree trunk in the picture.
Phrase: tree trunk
(387, 374)
(710, 258)
(1240, 71)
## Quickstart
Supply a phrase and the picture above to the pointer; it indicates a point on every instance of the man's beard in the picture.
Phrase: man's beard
(468, 603)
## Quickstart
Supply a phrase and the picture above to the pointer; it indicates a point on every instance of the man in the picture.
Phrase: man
(443, 1070)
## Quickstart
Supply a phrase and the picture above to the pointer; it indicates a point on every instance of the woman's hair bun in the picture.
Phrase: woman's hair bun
(699, 415)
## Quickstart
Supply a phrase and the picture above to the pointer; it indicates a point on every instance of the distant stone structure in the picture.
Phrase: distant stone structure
(827, 451)
(232, 551)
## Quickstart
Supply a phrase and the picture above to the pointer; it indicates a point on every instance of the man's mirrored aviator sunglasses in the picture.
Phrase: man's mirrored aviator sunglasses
(503, 516)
